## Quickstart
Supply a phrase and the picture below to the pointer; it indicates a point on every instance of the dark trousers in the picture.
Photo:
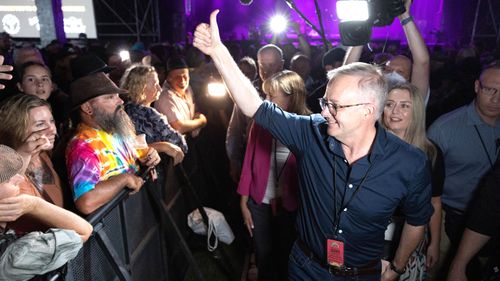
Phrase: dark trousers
(273, 236)
(302, 268)
(454, 226)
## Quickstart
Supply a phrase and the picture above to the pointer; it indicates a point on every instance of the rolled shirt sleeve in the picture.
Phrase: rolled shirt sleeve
(417, 204)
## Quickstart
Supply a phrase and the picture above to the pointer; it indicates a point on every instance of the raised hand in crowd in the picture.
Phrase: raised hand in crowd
(207, 40)
(207, 37)
(4, 68)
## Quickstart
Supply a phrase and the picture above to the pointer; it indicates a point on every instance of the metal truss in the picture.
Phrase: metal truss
(486, 25)
(128, 18)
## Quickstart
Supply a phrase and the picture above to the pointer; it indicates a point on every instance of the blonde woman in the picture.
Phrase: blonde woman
(404, 115)
(143, 89)
(268, 183)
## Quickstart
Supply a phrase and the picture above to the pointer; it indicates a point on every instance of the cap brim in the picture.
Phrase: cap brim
(107, 91)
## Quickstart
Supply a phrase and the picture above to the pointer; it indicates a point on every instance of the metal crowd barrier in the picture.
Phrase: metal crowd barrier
(139, 237)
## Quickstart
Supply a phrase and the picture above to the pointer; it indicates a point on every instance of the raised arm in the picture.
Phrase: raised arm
(353, 54)
(4, 68)
(304, 46)
(207, 40)
(420, 53)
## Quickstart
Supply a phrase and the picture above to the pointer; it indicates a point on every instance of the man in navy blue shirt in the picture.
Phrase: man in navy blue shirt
(353, 174)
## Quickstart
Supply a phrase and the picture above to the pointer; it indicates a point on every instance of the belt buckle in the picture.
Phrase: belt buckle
(333, 269)
(343, 271)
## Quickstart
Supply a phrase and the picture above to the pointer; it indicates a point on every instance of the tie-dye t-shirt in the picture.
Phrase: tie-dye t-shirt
(93, 156)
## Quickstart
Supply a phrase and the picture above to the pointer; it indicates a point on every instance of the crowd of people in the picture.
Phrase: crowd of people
(349, 163)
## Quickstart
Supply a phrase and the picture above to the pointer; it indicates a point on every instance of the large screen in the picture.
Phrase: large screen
(19, 18)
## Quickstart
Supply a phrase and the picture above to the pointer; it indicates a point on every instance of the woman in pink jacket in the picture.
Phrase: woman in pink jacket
(268, 183)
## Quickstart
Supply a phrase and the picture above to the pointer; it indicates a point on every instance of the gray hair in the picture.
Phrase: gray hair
(372, 82)
(273, 47)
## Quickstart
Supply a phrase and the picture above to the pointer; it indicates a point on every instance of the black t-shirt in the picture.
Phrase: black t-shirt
(438, 174)
(484, 213)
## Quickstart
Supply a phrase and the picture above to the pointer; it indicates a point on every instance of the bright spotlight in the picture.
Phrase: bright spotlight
(357, 17)
(124, 55)
(216, 89)
(352, 10)
(278, 24)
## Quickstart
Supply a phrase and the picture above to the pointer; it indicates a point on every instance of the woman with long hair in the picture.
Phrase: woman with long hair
(28, 127)
(143, 87)
(268, 183)
(404, 115)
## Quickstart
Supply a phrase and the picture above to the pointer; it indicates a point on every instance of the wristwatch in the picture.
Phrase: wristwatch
(395, 269)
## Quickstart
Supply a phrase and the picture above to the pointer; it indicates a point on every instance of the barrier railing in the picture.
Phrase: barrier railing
(138, 237)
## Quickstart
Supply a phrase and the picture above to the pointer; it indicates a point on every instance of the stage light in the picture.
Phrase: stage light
(246, 2)
(124, 55)
(357, 17)
(216, 89)
(278, 24)
(352, 10)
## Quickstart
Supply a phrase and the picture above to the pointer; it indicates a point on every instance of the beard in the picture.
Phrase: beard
(118, 123)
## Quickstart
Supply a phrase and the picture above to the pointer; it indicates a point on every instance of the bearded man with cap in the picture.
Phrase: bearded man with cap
(101, 158)
(176, 100)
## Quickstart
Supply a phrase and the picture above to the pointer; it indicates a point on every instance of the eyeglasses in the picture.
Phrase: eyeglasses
(487, 91)
(333, 107)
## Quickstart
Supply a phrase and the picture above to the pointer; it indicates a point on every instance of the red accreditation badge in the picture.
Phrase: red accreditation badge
(335, 252)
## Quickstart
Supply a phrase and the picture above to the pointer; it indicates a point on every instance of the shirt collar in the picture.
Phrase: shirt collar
(376, 151)
(473, 117)
(378, 143)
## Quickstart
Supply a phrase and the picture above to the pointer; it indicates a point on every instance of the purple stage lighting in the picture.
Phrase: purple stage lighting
(239, 21)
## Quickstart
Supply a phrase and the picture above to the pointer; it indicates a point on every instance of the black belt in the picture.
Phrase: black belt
(341, 271)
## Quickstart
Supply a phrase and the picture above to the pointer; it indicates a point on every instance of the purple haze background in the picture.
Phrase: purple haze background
(235, 19)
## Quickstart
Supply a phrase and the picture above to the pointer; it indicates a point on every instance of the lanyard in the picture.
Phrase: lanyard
(342, 206)
(484, 146)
